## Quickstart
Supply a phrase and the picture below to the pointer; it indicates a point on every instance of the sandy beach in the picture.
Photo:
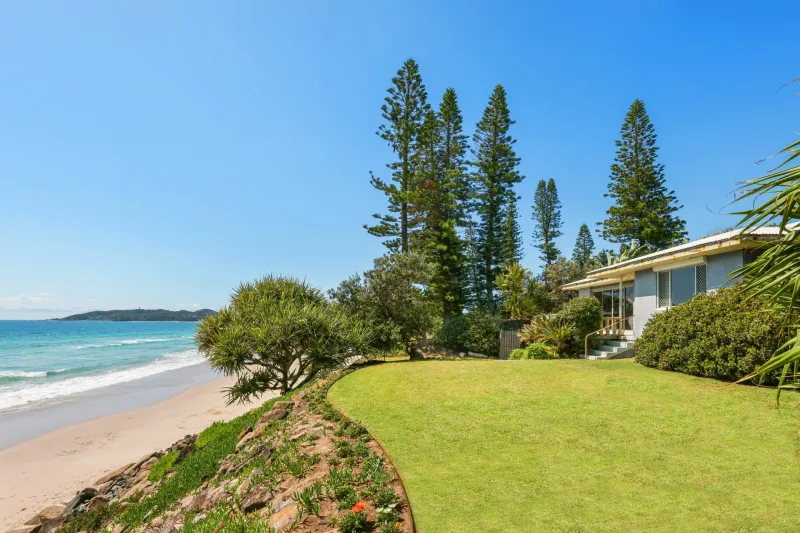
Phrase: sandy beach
(50, 468)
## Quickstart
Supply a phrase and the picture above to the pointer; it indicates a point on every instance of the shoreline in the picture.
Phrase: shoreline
(22, 424)
(49, 468)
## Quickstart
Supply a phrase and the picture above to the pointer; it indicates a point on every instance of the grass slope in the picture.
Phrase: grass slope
(576, 446)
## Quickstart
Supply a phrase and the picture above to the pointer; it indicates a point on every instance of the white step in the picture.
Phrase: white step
(611, 352)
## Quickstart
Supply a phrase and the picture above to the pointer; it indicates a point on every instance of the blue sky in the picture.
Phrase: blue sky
(155, 154)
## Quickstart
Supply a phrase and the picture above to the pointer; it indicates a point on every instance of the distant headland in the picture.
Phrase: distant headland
(142, 315)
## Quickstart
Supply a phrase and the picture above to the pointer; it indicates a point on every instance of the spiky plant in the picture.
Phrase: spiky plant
(277, 333)
(775, 273)
(553, 331)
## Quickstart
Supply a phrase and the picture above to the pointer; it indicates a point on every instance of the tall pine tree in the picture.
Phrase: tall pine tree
(512, 235)
(584, 248)
(473, 275)
(494, 175)
(441, 168)
(546, 220)
(643, 207)
(404, 111)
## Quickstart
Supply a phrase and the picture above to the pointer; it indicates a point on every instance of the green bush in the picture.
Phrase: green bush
(536, 350)
(583, 316)
(483, 333)
(475, 331)
(722, 336)
(553, 331)
(452, 335)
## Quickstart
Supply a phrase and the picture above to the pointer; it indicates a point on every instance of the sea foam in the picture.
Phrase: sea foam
(124, 343)
(16, 398)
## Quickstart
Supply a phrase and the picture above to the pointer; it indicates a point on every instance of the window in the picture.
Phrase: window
(663, 289)
(700, 279)
(680, 285)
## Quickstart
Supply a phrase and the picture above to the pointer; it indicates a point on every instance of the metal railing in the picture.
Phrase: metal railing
(608, 329)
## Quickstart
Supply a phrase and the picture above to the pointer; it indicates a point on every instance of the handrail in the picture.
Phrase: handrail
(603, 329)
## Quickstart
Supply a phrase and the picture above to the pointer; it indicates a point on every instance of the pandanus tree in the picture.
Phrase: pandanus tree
(277, 333)
(775, 273)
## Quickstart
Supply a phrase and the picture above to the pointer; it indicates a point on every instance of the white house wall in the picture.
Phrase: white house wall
(645, 299)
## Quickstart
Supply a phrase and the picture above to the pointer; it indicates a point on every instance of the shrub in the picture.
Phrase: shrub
(583, 316)
(278, 333)
(392, 299)
(536, 350)
(553, 331)
(452, 335)
(721, 336)
(476, 331)
(483, 333)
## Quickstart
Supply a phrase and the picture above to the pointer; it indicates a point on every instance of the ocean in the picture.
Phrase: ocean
(47, 361)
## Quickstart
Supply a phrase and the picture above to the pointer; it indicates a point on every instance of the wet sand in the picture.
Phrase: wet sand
(49, 468)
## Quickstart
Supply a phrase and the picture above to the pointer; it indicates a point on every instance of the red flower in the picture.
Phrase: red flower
(357, 508)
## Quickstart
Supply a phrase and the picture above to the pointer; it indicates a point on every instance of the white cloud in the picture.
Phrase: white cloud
(187, 307)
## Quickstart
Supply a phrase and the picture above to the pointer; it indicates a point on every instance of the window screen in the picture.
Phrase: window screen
(700, 279)
(663, 289)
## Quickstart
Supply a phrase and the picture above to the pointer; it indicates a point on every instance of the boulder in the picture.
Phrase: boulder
(29, 528)
(99, 500)
(147, 465)
(186, 502)
(114, 474)
(279, 411)
(142, 487)
(245, 486)
(280, 520)
(82, 496)
(147, 457)
(53, 523)
(103, 487)
(185, 446)
(246, 439)
(257, 498)
(208, 499)
(45, 514)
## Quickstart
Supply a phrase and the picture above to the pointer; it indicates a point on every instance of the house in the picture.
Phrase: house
(632, 291)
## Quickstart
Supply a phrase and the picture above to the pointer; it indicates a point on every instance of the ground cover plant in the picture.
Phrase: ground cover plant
(294, 464)
(569, 445)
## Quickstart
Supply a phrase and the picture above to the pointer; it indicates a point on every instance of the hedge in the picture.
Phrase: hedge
(721, 335)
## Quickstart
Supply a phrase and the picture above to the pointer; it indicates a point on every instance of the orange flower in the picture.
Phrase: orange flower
(341, 438)
(357, 508)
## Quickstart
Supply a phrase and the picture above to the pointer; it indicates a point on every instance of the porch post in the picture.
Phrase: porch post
(621, 305)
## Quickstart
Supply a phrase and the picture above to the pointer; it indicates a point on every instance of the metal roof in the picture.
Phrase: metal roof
(600, 274)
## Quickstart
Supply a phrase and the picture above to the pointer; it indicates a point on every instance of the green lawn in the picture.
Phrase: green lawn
(580, 446)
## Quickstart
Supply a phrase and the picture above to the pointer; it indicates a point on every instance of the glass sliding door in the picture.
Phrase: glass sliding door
(628, 304)
(613, 302)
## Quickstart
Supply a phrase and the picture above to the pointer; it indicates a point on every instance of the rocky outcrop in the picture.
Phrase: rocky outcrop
(301, 467)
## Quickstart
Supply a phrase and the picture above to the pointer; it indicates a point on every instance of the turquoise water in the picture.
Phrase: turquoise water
(44, 361)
